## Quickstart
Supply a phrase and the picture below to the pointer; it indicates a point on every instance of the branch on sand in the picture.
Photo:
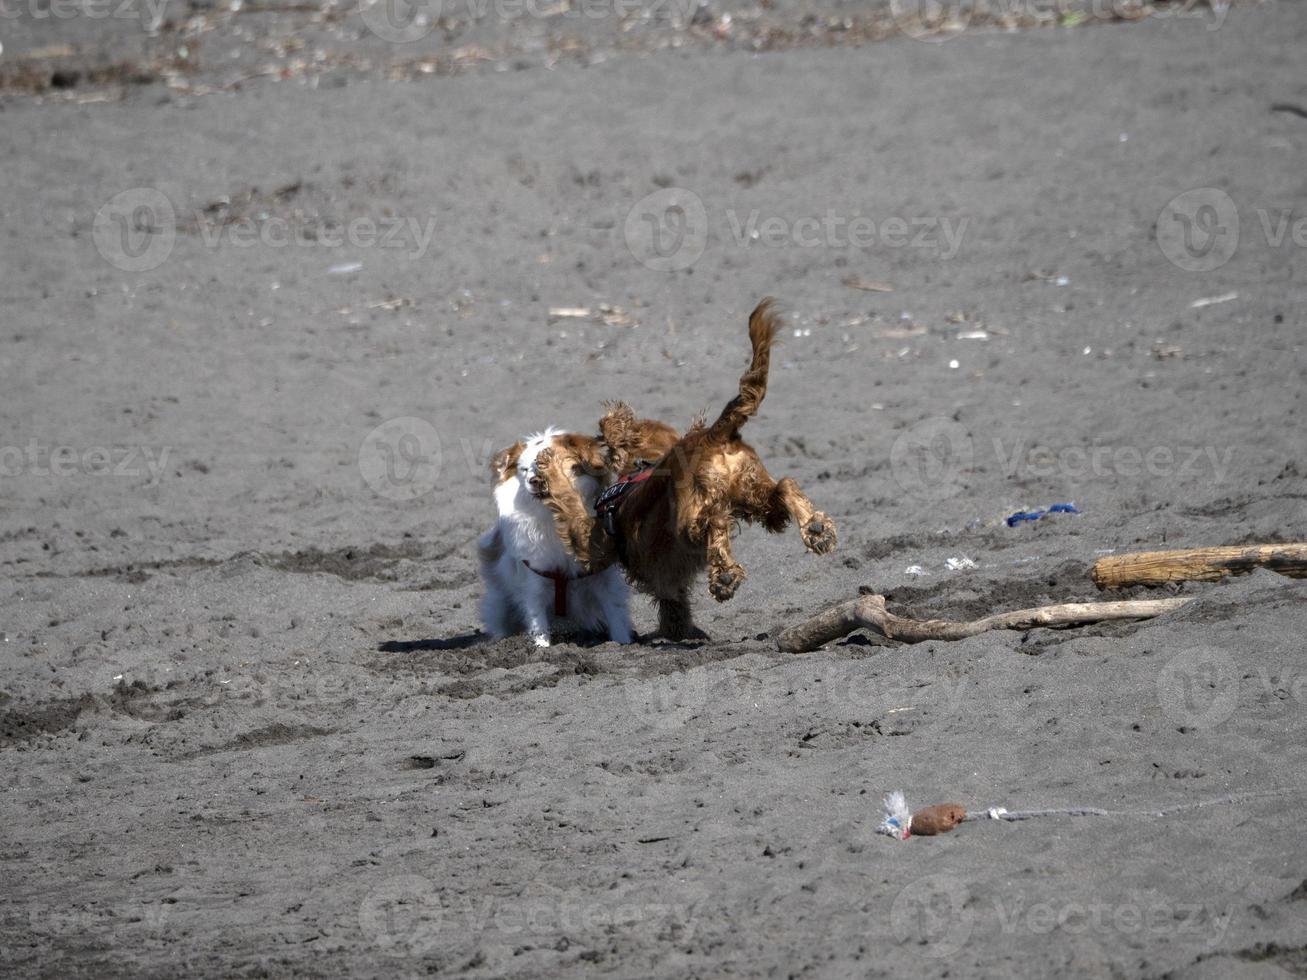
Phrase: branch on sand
(869, 612)
(1198, 564)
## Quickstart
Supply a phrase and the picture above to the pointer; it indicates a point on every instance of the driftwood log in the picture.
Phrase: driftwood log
(869, 612)
(1197, 564)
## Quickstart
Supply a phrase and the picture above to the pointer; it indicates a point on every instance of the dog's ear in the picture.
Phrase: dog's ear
(505, 461)
(616, 424)
(585, 451)
(595, 463)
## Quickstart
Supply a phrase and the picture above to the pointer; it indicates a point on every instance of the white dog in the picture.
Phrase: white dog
(531, 580)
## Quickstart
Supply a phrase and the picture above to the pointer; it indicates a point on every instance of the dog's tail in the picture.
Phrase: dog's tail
(490, 547)
(764, 323)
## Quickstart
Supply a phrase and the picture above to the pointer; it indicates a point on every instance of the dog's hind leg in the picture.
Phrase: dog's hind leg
(675, 619)
(612, 596)
(777, 502)
(787, 502)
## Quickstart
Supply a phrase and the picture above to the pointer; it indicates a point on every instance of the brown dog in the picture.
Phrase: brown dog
(677, 519)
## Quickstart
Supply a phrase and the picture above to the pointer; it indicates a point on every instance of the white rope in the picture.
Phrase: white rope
(897, 821)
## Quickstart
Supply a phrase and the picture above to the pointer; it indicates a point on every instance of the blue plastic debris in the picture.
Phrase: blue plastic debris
(1034, 515)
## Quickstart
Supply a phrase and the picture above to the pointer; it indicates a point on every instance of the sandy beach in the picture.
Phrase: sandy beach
(277, 282)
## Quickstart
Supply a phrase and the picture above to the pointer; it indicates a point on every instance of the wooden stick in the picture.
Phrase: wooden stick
(869, 612)
(1198, 564)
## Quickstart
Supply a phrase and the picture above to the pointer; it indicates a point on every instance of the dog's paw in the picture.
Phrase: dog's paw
(819, 534)
(724, 580)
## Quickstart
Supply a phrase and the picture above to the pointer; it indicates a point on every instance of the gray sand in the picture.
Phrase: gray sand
(248, 726)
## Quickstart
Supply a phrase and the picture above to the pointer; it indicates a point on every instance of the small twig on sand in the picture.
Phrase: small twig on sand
(869, 612)
(853, 282)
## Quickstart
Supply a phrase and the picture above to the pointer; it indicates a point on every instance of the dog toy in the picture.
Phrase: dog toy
(901, 823)
(1034, 515)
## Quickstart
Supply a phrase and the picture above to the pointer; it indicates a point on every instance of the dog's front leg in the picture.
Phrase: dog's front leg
(725, 574)
(537, 599)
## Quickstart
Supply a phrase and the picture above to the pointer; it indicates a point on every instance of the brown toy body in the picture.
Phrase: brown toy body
(937, 819)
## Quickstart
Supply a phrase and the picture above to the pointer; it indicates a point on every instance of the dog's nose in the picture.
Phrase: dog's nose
(536, 483)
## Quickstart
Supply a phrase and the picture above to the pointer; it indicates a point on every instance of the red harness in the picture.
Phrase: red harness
(611, 499)
(560, 586)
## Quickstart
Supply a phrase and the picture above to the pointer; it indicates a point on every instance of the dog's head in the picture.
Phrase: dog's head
(578, 456)
(629, 442)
